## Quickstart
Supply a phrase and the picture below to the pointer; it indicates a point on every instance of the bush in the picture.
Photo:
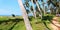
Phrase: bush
(47, 17)
(30, 18)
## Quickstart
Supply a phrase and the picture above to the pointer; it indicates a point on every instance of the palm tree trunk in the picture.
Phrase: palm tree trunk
(57, 11)
(25, 16)
(33, 9)
(38, 8)
(30, 10)
(44, 8)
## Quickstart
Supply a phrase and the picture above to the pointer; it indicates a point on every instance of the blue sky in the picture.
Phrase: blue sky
(8, 7)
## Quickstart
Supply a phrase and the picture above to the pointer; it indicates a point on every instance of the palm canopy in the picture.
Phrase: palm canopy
(52, 5)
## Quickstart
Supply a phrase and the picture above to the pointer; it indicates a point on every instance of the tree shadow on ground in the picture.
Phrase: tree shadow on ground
(55, 25)
(46, 26)
(16, 20)
(45, 18)
(0, 29)
(13, 20)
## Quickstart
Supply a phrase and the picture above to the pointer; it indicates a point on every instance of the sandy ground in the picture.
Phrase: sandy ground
(55, 24)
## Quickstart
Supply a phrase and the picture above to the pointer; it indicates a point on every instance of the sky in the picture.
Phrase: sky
(8, 7)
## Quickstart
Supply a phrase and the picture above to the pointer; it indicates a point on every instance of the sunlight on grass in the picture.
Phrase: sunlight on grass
(36, 24)
(5, 26)
(19, 26)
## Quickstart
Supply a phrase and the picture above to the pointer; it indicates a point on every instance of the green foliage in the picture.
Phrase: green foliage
(40, 25)
(31, 18)
(47, 17)
(27, 4)
(13, 15)
(34, 1)
(27, 11)
(31, 8)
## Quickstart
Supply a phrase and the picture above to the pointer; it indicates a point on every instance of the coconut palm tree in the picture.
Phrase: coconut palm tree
(25, 16)
(26, 5)
(55, 3)
(31, 8)
(35, 1)
(43, 3)
(34, 11)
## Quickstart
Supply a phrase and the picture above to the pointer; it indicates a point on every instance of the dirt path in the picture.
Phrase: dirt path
(55, 25)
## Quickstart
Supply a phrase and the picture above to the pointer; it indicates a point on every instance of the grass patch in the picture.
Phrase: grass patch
(7, 26)
(36, 25)
(19, 26)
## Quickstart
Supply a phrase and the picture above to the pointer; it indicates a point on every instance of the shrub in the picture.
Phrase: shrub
(47, 17)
